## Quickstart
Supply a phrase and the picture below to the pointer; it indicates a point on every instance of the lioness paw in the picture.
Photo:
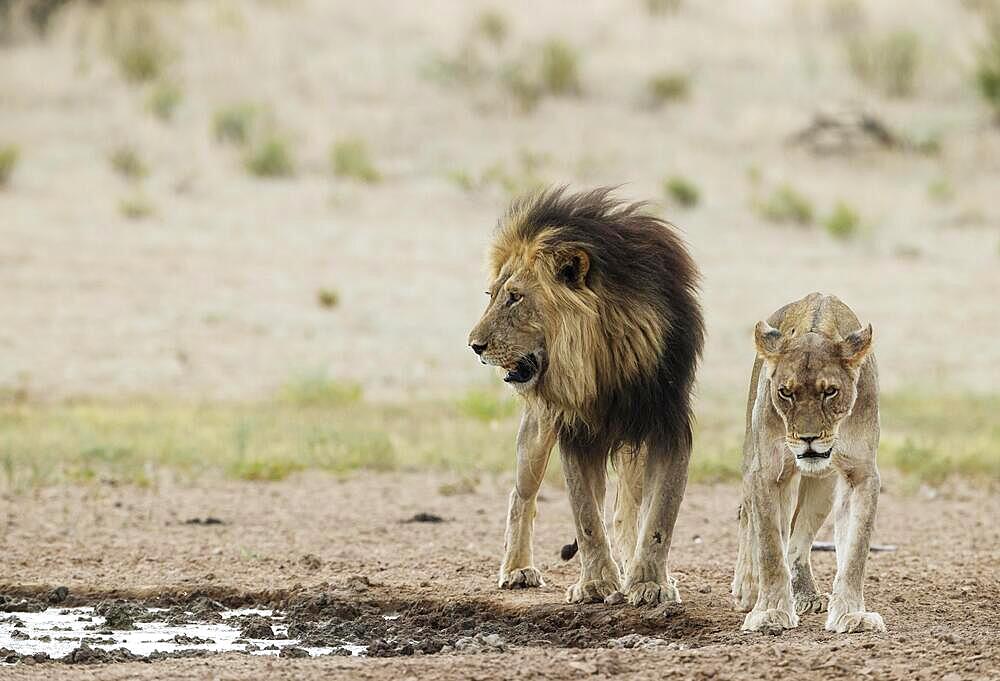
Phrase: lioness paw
(806, 604)
(593, 591)
(854, 622)
(653, 593)
(767, 620)
(521, 578)
(744, 592)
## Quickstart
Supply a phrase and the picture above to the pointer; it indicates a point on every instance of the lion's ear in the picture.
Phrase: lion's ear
(855, 348)
(572, 265)
(767, 339)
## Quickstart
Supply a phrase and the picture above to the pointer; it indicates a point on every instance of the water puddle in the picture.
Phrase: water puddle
(59, 631)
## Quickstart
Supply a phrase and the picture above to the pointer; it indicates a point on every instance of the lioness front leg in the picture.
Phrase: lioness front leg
(813, 506)
(856, 504)
(534, 444)
(770, 506)
(647, 580)
(585, 479)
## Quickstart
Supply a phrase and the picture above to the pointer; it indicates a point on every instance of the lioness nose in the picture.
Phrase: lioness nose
(808, 439)
(477, 348)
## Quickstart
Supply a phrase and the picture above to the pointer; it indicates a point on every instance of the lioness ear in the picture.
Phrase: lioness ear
(767, 339)
(572, 265)
(855, 347)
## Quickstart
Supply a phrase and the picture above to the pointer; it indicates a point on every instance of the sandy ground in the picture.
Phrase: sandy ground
(215, 295)
(938, 596)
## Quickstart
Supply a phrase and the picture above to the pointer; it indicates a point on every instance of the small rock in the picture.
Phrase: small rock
(311, 562)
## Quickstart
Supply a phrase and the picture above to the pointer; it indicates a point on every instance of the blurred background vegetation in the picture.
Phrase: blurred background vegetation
(244, 238)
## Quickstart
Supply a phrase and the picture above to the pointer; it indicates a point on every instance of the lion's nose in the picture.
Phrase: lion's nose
(808, 439)
(477, 348)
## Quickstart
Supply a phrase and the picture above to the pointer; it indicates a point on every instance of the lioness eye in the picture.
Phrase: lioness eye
(785, 392)
(830, 392)
(514, 297)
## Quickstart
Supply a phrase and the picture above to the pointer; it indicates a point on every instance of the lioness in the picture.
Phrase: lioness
(812, 432)
(594, 321)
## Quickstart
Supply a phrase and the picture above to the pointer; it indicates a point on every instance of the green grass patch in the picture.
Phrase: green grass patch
(941, 190)
(682, 191)
(888, 63)
(668, 87)
(843, 223)
(487, 405)
(351, 159)
(559, 68)
(9, 156)
(127, 162)
(328, 298)
(234, 124)
(316, 390)
(786, 204)
(493, 26)
(318, 424)
(270, 157)
(987, 73)
(136, 207)
(164, 99)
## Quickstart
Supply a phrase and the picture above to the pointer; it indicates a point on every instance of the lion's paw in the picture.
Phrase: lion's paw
(806, 604)
(592, 591)
(521, 578)
(854, 622)
(770, 620)
(653, 593)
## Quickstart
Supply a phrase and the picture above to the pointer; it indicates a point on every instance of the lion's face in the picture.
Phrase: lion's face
(813, 386)
(524, 330)
(510, 334)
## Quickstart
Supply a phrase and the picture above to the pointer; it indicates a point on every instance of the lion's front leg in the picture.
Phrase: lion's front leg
(856, 504)
(534, 444)
(647, 580)
(770, 509)
(585, 479)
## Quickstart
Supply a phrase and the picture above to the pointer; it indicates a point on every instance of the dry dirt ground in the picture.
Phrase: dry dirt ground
(937, 592)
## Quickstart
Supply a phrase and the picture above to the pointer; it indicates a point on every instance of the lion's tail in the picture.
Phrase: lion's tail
(569, 550)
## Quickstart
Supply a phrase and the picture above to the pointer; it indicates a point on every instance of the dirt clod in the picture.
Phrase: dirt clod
(424, 517)
(256, 626)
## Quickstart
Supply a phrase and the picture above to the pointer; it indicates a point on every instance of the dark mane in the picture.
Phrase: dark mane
(636, 260)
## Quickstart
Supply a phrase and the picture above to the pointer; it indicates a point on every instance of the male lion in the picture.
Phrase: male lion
(593, 320)
(812, 432)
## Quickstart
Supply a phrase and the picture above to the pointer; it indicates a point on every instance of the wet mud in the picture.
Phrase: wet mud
(345, 620)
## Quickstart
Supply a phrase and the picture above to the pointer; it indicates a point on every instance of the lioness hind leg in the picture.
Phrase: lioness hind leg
(630, 464)
(815, 499)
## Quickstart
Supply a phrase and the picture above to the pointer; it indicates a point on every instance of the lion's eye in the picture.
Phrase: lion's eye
(514, 297)
(785, 393)
(830, 392)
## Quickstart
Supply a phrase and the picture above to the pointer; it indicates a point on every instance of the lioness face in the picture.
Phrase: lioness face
(510, 335)
(813, 386)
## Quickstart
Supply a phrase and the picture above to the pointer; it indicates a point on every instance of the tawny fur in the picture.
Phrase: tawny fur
(814, 377)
